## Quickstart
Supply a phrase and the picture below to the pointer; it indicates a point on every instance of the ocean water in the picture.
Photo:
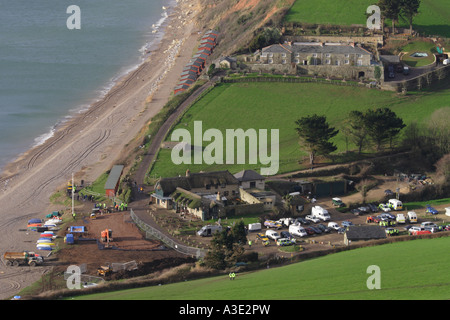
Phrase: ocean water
(48, 72)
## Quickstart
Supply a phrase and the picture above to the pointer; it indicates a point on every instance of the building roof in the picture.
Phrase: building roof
(248, 175)
(196, 181)
(390, 59)
(315, 47)
(114, 176)
(365, 233)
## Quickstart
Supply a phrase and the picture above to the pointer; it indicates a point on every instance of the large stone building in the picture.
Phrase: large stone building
(350, 61)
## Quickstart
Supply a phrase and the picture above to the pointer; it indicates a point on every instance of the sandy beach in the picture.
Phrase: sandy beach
(90, 143)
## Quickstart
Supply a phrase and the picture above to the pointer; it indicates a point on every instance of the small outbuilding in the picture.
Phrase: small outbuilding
(364, 233)
(112, 184)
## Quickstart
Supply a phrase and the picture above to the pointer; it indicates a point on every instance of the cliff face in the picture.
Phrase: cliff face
(239, 20)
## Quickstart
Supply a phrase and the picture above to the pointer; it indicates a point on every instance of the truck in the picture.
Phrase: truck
(297, 230)
(24, 257)
(320, 213)
(209, 230)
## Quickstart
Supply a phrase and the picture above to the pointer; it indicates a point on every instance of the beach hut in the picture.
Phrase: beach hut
(112, 184)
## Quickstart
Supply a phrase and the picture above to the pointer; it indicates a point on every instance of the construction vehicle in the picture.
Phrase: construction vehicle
(24, 257)
(104, 271)
(106, 236)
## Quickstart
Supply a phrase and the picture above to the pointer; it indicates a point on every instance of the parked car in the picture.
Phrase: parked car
(428, 224)
(302, 221)
(346, 223)
(433, 229)
(431, 210)
(384, 207)
(272, 234)
(388, 192)
(309, 231)
(364, 209)
(262, 237)
(286, 234)
(342, 230)
(323, 228)
(312, 219)
(405, 70)
(316, 230)
(391, 73)
(399, 68)
(333, 225)
(372, 207)
(356, 211)
(282, 242)
(337, 202)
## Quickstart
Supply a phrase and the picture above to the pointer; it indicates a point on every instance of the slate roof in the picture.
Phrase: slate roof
(315, 48)
(196, 181)
(365, 233)
(248, 175)
(113, 178)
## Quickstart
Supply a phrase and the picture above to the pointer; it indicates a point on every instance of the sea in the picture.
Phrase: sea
(50, 71)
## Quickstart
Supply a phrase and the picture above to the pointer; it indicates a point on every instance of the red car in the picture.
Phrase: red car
(416, 233)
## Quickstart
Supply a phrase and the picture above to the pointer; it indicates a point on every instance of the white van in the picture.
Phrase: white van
(209, 230)
(272, 234)
(320, 213)
(297, 230)
(400, 218)
(395, 204)
(412, 217)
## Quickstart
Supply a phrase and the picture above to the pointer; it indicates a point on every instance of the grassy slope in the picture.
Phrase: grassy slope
(433, 17)
(278, 105)
(409, 270)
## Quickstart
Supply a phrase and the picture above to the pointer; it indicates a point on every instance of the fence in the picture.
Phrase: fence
(151, 232)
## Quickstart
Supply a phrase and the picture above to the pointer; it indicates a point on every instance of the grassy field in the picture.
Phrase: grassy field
(410, 270)
(278, 105)
(432, 19)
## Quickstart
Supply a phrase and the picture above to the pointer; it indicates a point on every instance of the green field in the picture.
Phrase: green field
(410, 270)
(433, 18)
(277, 106)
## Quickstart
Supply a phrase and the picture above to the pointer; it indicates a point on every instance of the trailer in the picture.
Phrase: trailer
(19, 258)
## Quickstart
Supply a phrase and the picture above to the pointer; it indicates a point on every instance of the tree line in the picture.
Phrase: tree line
(395, 9)
(377, 126)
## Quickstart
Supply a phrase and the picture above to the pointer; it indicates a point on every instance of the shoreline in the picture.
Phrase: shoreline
(100, 93)
(88, 144)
